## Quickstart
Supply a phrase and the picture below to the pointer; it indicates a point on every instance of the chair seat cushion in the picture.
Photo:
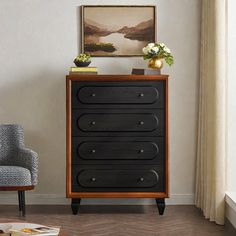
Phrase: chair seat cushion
(14, 176)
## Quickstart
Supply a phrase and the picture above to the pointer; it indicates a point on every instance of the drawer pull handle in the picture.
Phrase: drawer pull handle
(141, 179)
(141, 151)
(93, 95)
(141, 123)
(93, 150)
(93, 123)
(141, 95)
(93, 179)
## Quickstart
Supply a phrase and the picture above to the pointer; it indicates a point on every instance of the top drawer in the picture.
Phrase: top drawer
(118, 94)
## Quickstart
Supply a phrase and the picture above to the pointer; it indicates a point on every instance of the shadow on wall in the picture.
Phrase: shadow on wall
(78, 23)
(37, 101)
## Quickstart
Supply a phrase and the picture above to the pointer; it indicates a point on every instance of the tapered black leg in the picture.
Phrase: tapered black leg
(75, 202)
(19, 200)
(23, 202)
(161, 205)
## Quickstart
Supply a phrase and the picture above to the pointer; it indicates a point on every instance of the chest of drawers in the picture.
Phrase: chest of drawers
(117, 137)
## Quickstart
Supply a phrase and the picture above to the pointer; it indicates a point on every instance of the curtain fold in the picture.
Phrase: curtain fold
(211, 148)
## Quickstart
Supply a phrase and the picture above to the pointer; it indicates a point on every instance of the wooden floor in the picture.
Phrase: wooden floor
(121, 220)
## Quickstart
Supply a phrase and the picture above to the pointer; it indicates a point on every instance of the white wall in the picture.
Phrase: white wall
(37, 45)
(231, 173)
(231, 96)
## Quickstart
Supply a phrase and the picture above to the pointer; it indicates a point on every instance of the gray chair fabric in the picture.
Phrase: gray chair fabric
(18, 165)
(14, 176)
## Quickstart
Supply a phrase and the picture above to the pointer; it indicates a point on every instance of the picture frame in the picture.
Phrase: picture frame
(117, 30)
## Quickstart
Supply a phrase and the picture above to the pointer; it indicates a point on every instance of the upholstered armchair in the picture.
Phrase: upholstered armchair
(18, 165)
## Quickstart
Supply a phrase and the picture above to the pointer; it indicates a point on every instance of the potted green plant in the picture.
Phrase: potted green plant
(156, 53)
(82, 60)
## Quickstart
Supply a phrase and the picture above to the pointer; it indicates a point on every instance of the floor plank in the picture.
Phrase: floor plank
(121, 220)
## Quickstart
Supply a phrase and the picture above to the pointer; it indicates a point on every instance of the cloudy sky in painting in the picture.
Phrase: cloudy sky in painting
(115, 17)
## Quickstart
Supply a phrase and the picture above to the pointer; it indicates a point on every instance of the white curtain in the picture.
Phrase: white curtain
(211, 151)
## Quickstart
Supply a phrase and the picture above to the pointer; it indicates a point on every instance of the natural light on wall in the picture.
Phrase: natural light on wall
(231, 185)
(231, 165)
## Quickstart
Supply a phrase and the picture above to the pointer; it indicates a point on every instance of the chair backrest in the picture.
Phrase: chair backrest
(11, 138)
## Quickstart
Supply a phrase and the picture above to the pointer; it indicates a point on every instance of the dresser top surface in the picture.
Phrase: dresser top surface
(100, 77)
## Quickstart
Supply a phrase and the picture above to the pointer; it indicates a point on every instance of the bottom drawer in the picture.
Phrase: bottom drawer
(117, 178)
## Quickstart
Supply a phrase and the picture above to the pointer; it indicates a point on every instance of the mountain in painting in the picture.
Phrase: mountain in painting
(143, 31)
(91, 29)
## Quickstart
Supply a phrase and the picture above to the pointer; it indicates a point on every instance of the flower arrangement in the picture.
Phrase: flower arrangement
(82, 60)
(158, 51)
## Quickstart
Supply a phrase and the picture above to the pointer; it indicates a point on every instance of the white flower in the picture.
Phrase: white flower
(155, 50)
(145, 50)
(166, 49)
(151, 45)
(162, 45)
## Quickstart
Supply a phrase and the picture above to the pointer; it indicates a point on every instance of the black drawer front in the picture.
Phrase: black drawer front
(106, 178)
(107, 122)
(117, 150)
(118, 94)
(117, 178)
(123, 122)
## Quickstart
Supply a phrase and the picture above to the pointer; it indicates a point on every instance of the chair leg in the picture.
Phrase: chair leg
(23, 202)
(19, 200)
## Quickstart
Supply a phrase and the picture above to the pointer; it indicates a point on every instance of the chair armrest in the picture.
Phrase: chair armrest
(28, 159)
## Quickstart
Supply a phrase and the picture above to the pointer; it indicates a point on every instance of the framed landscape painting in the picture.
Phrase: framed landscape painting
(113, 31)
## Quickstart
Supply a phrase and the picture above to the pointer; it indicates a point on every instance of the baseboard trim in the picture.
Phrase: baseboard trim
(57, 199)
